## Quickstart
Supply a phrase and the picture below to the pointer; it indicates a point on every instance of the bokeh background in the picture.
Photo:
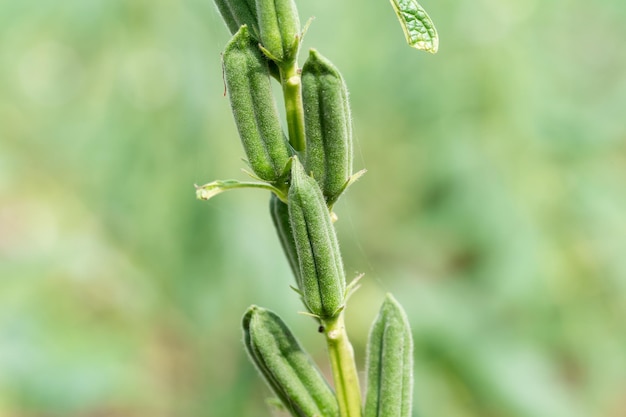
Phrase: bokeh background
(494, 207)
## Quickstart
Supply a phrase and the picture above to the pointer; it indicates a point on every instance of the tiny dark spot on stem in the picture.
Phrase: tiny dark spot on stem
(321, 329)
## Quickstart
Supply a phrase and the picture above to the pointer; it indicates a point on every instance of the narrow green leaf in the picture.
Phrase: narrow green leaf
(210, 190)
(418, 28)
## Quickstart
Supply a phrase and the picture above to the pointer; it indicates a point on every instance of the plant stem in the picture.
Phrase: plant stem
(344, 368)
(292, 87)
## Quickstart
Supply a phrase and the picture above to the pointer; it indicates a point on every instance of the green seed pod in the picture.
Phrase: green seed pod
(279, 26)
(389, 363)
(328, 125)
(287, 368)
(323, 283)
(256, 116)
(237, 13)
(280, 217)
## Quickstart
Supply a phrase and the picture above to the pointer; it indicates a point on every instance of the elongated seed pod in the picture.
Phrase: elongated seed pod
(280, 217)
(253, 106)
(279, 26)
(323, 281)
(237, 13)
(287, 368)
(328, 125)
(389, 363)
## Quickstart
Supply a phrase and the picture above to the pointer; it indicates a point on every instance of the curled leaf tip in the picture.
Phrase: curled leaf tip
(418, 27)
(210, 190)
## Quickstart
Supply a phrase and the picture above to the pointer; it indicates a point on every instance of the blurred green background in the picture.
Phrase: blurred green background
(494, 207)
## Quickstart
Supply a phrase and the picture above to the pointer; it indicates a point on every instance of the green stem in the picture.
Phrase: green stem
(292, 92)
(343, 366)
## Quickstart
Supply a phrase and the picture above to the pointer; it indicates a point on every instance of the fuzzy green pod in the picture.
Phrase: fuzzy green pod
(328, 125)
(279, 27)
(280, 217)
(322, 278)
(287, 368)
(237, 13)
(253, 106)
(389, 363)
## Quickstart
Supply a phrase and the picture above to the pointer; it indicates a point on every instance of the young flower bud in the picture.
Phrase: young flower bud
(323, 283)
(389, 363)
(328, 125)
(280, 217)
(256, 116)
(279, 26)
(237, 13)
(287, 368)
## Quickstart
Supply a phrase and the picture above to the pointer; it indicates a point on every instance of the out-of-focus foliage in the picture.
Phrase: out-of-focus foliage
(494, 207)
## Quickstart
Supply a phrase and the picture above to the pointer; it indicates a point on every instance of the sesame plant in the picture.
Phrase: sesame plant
(306, 170)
